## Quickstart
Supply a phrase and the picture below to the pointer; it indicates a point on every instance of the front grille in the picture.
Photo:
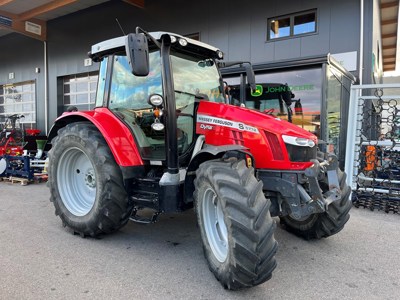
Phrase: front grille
(301, 154)
(275, 145)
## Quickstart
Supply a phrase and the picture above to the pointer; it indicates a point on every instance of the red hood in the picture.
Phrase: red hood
(254, 118)
(223, 124)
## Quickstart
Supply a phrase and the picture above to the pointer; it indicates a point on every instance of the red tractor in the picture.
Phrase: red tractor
(161, 138)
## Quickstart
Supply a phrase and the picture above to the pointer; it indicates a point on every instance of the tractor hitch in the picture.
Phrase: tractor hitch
(324, 171)
(301, 191)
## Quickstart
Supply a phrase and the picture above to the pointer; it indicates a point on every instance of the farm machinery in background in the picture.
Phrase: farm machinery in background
(16, 160)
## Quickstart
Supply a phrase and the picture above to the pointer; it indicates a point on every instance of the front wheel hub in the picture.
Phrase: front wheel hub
(90, 179)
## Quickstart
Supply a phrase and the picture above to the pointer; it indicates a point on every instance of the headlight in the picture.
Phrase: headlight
(183, 42)
(298, 141)
(155, 100)
(157, 126)
(300, 149)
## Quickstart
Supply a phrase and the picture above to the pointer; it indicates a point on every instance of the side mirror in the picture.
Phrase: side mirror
(137, 53)
(251, 78)
(287, 95)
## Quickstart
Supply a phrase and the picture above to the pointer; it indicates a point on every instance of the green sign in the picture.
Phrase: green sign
(285, 88)
(258, 91)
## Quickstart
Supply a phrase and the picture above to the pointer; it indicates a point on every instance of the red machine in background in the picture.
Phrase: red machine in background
(20, 150)
(12, 136)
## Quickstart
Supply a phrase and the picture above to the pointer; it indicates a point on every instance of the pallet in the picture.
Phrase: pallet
(23, 181)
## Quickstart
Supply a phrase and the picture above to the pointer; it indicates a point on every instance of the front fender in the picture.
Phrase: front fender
(117, 135)
(208, 153)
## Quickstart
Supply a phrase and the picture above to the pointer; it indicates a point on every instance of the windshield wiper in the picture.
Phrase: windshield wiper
(186, 93)
(197, 96)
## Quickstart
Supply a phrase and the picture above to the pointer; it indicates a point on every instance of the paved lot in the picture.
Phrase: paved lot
(39, 259)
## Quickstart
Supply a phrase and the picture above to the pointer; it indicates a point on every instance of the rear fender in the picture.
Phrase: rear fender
(208, 153)
(117, 135)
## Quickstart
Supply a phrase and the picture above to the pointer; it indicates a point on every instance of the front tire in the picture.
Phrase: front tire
(236, 228)
(325, 224)
(85, 182)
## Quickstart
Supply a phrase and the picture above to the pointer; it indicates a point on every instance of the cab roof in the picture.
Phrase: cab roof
(114, 45)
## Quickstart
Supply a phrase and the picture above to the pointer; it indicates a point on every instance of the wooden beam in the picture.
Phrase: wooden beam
(389, 60)
(389, 67)
(137, 3)
(33, 28)
(389, 56)
(44, 9)
(389, 22)
(389, 4)
(386, 47)
(4, 2)
(389, 35)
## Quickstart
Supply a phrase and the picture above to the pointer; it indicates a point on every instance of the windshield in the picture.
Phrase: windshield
(195, 77)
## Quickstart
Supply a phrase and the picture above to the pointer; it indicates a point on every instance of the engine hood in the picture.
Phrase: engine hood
(251, 120)
(268, 138)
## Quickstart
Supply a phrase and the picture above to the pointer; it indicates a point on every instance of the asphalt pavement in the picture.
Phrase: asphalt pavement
(40, 259)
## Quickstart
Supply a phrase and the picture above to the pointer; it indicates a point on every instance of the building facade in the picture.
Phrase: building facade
(305, 44)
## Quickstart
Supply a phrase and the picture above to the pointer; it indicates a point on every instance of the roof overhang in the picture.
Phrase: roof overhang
(389, 30)
(30, 17)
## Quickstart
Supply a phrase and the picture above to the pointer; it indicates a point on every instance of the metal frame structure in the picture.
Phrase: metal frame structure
(369, 127)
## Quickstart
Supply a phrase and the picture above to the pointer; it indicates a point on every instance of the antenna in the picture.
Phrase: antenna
(120, 27)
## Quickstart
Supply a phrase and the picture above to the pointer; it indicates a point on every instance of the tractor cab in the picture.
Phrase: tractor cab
(152, 100)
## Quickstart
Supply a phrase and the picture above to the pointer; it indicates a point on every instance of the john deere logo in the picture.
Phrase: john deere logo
(258, 91)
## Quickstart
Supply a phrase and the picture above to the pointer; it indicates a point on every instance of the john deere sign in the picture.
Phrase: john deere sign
(284, 88)
(258, 91)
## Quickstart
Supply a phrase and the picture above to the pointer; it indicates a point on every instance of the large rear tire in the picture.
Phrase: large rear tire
(236, 228)
(86, 183)
(325, 224)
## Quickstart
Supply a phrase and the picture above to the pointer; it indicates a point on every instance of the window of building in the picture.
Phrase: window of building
(194, 36)
(292, 25)
(338, 87)
(19, 98)
(80, 90)
(305, 85)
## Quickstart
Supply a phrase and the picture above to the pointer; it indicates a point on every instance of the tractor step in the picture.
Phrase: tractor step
(146, 193)
(147, 217)
(145, 199)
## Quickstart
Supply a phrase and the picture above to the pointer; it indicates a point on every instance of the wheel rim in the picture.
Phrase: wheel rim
(214, 225)
(76, 180)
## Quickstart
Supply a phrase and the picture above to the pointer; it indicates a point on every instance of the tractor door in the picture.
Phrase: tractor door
(128, 101)
(193, 79)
